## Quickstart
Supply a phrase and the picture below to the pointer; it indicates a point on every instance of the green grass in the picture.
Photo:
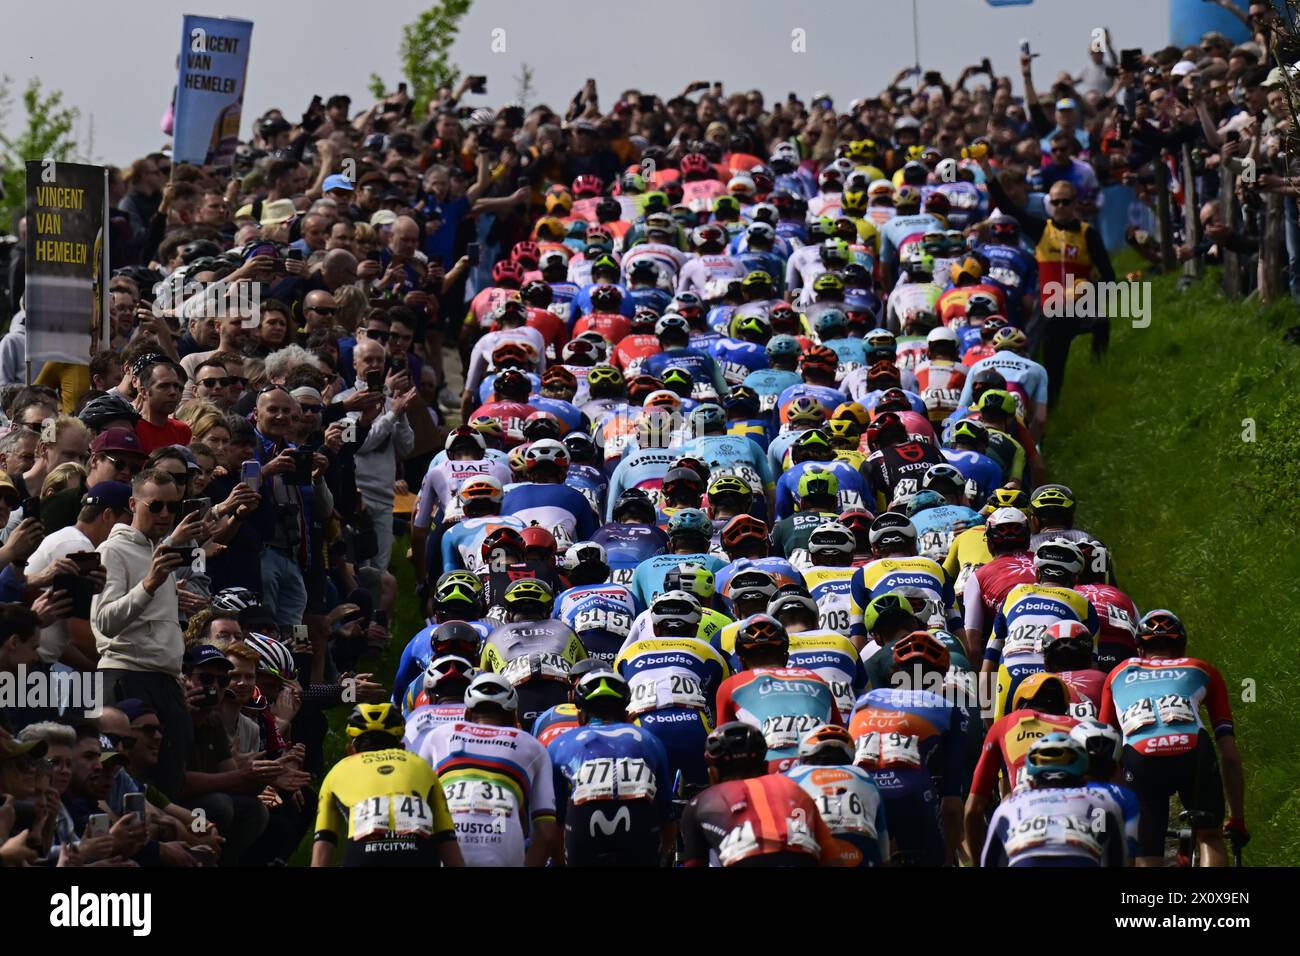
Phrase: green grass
(1200, 520)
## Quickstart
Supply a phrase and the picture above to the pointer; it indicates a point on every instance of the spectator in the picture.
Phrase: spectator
(160, 393)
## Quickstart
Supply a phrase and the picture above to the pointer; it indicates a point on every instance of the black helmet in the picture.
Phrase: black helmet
(735, 742)
(456, 637)
(103, 409)
(636, 500)
(602, 688)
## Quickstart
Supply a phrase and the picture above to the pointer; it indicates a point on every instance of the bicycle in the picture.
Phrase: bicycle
(1188, 852)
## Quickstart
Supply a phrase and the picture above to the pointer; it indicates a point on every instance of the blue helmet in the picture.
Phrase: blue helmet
(924, 500)
(1056, 760)
(690, 521)
(831, 324)
(783, 345)
(708, 416)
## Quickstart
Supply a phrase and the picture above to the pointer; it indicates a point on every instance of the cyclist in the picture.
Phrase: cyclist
(846, 797)
(784, 702)
(1006, 536)
(781, 373)
(894, 565)
(1056, 821)
(964, 448)
(1104, 746)
(633, 536)
(830, 575)
(750, 817)
(913, 743)
(813, 453)
(383, 802)
(690, 533)
(457, 597)
(675, 338)
(439, 700)
(897, 462)
(600, 612)
(555, 720)
(1155, 700)
(827, 653)
(544, 499)
(496, 779)
(1117, 615)
(817, 502)
(612, 783)
(1068, 653)
(532, 650)
(646, 463)
(1039, 707)
(1027, 376)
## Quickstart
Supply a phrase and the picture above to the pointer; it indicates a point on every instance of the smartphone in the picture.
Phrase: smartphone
(134, 802)
(186, 554)
(80, 589)
(1024, 48)
(375, 381)
(295, 254)
(934, 78)
(32, 508)
(190, 505)
(98, 825)
(316, 104)
(1130, 60)
(86, 561)
(302, 463)
(986, 66)
(646, 104)
(397, 364)
(472, 253)
(478, 85)
(250, 473)
(300, 635)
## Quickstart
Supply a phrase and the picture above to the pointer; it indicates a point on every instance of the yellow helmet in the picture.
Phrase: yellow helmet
(376, 719)
(854, 203)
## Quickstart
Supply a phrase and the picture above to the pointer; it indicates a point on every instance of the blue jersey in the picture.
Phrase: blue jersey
(1131, 808)
(1016, 271)
(419, 652)
(829, 398)
(898, 235)
(718, 319)
(936, 527)
(968, 337)
(916, 401)
(563, 295)
(698, 363)
(968, 203)
(757, 430)
(600, 614)
(853, 487)
(769, 383)
(610, 763)
(560, 509)
(737, 359)
(462, 545)
(898, 730)
(852, 354)
(488, 385)
(582, 301)
(851, 806)
(644, 468)
(739, 456)
(865, 300)
(769, 262)
(782, 570)
(648, 580)
(777, 448)
(628, 545)
(649, 296)
(590, 482)
(566, 412)
(981, 470)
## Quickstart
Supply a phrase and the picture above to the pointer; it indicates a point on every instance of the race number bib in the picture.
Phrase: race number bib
(1176, 709)
(941, 399)
(1082, 710)
(548, 666)
(601, 619)
(1137, 715)
(405, 815)
(835, 619)
(621, 575)
(1053, 830)
(479, 796)
(613, 778)
(786, 730)
(767, 402)
(891, 750)
(1024, 639)
(846, 813)
(663, 692)
(1005, 277)
(738, 844)
(562, 309)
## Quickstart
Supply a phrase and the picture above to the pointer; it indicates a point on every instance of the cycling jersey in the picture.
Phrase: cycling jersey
(952, 304)
(828, 398)
(851, 807)
(727, 454)
(762, 821)
(1117, 619)
(921, 576)
(782, 571)
(612, 793)
(442, 481)
(628, 545)
(872, 397)
(711, 622)
(757, 430)
(644, 468)
(419, 652)
(901, 233)
(738, 359)
(853, 492)
(481, 356)
(497, 782)
(831, 588)
(987, 588)
(536, 657)
(1156, 703)
(940, 382)
(783, 702)
(937, 527)
(1028, 375)
(769, 383)
(790, 535)
(1016, 271)
(703, 370)
(423, 717)
(388, 807)
(898, 469)
(582, 301)
(1007, 744)
(707, 275)
(648, 580)
(560, 509)
(462, 545)
(1080, 827)
(983, 475)
(631, 353)
(908, 301)
(668, 260)
(554, 721)
(511, 415)
(600, 614)
(1028, 611)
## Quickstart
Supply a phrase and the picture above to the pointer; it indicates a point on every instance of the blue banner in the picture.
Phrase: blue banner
(210, 89)
(1008, 3)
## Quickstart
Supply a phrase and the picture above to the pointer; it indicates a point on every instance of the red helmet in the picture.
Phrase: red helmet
(938, 204)
(743, 528)
(783, 318)
(858, 520)
(526, 253)
(596, 229)
(536, 537)
(696, 163)
(587, 185)
(606, 298)
(503, 537)
(819, 356)
(886, 427)
(639, 386)
(508, 273)
(893, 400)
(881, 372)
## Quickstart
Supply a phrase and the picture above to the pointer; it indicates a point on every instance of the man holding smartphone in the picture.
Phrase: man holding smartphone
(135, 618)
(68, 644)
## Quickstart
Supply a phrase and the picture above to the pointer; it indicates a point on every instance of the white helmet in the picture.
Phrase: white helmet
(941, 333)
(490, 688)
(584, 552)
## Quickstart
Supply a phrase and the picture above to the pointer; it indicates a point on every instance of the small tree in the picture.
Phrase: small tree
(46, 134)
(524, 88)
(426, 43)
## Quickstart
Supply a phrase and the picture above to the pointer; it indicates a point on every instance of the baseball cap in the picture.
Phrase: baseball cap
(7, 487)
(1182, 68)
(117, 439)
(277, 211)
(11, 749)
(134, 708)
(1066, 103)
(191, 463)
(383, 217)
(108, 494)
(337, 181)
(306, 391)
(199, 654)
(108, 750)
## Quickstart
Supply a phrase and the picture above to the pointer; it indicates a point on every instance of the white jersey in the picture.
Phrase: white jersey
(427, 718)
(443, 480)
(1083, 824)
(708, 275)
(497, 781)
(669, 260)
(480, 359)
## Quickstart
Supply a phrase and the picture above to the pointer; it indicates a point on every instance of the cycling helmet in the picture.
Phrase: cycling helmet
(455, 638)
(606, 298)
(981, 305)
(819, 356)
(844, 432)
(735, 742)
(677, 610)
(827, 739)
(600, 688)
(526, 253)
(1052, 496)
(854, 201)
(1058, 558)
(892, 529)
(465, 435)
(644, 320)
(831, 324)
(587, 185)
(635, 503)
(673, 323)
(508, 273)
(376, 719)
(643, 270)
(858, 520)
(678, 384)
(692, 578)
(782, 346)
(536, 538)
(680, 481)
(784, 318)
(462, 586)
(606, 265)
(791, 603)
(511, 381)
(805, 411)
(696, 164)
(996, 400)
(969, 430)
(833, 252)
(697, 465)
(760, 231)
(816, 482)
(751, 584)
(582, 351)
(603, 379)
(907, 197)
(886, 428)
(924, 501)
(1056, 760)
(102, 409)
(812, 445)
(1068, 635)
(584, 553)
(945, 479)
(491, 689)
(751, 327)
(1009, 338)
(743, 528)
(485, 488)
(761, 631)
(1007, 529)
(724, 486)
(548, 451)
(543, 425)
(828, 284)
(273, 656)
(921, 647)
(558, 378)
(1101, 741)
(832, 539)
(451, 673)
(1161, 625)
(528, 590)
(707, 419)
(884, 608)
(892, 399)
(1041, 684)
(516, 461)
(1096, 562)
(537, 293)
(742, 400)
(654, 429)
(504, 537)
(234, 599)
(690, 521)
(640, 386)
